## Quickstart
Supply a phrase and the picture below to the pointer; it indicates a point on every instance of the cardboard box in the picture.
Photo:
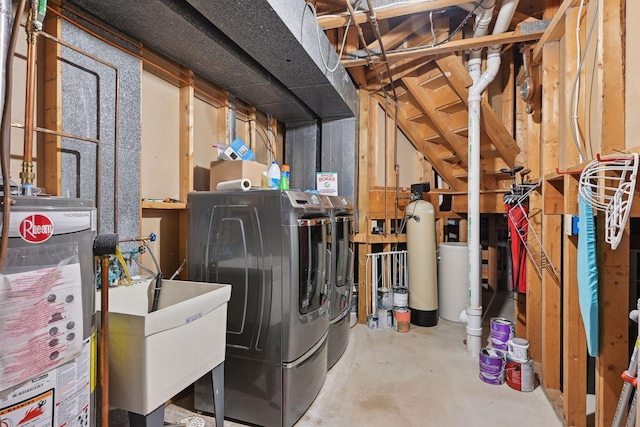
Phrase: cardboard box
(238, 150)
(153, 356)
(227, 170)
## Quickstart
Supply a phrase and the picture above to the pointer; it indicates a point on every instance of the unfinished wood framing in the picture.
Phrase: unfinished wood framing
(52, 72)
(432, 84)
(186, 151)
(614, 279)
(573, 333)
(534, 280)
(552, 220)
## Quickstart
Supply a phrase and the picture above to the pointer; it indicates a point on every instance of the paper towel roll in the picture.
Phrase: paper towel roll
(236, 184)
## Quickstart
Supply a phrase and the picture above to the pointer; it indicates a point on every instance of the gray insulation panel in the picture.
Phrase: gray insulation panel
(339, 153)
(300, 154)
(88, 110)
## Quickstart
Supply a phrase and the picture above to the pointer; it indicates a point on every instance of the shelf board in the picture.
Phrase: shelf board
(162, 205)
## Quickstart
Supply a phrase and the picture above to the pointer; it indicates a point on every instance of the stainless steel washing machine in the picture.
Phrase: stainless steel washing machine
(271, 246)
(341, 276)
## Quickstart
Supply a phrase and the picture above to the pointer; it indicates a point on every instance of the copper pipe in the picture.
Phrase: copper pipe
(27, 176)
(30, 102)
(104, 340)
(58, 133)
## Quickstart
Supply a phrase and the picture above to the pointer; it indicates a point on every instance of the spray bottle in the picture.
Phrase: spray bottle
(285, 175)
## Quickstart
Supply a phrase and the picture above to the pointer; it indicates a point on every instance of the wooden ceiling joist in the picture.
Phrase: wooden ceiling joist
(407, 66)
(400, 33)
(401, 9)
(451, 47)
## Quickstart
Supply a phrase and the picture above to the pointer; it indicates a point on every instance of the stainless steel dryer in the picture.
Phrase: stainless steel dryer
(271, 246)
(341, 280)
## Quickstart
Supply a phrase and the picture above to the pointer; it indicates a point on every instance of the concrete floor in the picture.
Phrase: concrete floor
(420, 378)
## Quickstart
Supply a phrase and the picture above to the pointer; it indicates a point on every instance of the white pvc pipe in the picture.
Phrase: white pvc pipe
(480, 83)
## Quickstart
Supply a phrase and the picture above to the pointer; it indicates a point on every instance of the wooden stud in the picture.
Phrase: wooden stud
(222, 127)
(573, 333)
(186, 151)
(534, 281)
(52, 166)
(508, 94)
(614, 277)
(368, 126)
(252, 128)
(551, 224)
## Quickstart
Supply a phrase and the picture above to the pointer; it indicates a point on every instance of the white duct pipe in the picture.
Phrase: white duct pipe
(480, 83)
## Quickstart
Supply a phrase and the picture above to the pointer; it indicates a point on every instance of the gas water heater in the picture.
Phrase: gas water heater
(47, 314)
(421, 263)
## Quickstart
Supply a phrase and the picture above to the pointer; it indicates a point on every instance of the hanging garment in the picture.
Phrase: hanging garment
(588, 274)
(517, 214)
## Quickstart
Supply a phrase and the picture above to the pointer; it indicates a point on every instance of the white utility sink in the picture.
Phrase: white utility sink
(154, 356)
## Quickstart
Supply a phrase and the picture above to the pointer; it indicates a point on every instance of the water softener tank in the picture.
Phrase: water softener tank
(421, 251)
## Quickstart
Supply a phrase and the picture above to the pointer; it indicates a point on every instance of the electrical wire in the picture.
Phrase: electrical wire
(573, 125)
(433, 33)
(344, 39)
(576, 85)
(5, 134)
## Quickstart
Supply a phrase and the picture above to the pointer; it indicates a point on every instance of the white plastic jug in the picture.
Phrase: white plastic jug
(273, 175)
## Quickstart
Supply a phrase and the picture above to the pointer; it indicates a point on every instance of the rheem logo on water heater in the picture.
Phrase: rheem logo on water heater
(36, 228)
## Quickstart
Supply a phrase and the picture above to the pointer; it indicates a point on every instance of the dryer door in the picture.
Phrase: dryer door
(312, 264)
(343, 275)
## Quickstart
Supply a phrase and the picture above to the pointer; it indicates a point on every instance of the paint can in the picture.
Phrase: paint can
(385, 318)
(400, 297)
(372, 321)
(518, 349)
(520, 375)
(402, 317)
(385, 298)
(492, 364)
(502, 330)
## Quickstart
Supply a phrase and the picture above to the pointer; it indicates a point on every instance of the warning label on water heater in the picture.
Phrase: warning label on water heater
(40, 321)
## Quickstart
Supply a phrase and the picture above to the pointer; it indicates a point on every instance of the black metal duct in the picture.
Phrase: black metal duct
(282, 35)
(246, 58)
